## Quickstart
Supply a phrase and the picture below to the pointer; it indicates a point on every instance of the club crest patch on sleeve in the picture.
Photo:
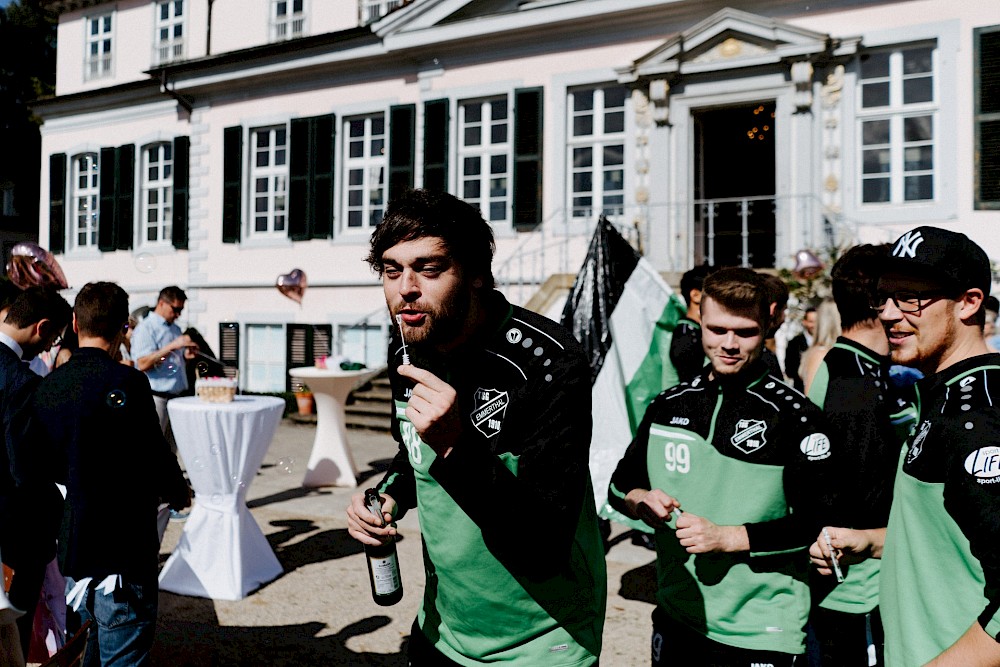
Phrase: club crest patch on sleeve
(749, 435)
(490, 406)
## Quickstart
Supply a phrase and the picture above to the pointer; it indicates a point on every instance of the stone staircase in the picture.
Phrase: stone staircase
(370, 406)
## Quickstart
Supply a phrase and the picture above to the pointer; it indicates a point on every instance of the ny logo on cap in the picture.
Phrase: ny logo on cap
(907, 244)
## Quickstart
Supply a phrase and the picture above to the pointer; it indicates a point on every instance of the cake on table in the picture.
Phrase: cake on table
(215, 389)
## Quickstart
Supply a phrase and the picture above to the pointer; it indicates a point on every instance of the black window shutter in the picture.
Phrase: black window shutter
(402, 123)
(987, 69)
(106, 232)
(229, 347)
(436, 145)
(232, 184)
(311, 178)
(57, 203)
(182, 179)
(324, 130)
(305, 343)
(124, 196)
(528, 121)
(300, 198)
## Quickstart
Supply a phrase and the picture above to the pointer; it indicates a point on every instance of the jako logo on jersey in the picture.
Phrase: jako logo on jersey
(489, 405)
(816, 447)
(683, 421)
(907, 245)
(984, 464)
(966, 381)
(746, 436)
(918, 442)
(513, 335)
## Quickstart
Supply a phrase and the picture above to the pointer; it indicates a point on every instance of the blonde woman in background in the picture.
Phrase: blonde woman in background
(827, 331)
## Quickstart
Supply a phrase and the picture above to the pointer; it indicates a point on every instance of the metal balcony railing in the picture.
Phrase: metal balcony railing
(168, 51)
(370, 11)
(98, 66)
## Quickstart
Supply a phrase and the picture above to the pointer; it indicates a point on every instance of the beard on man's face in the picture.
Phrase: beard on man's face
(442, 323)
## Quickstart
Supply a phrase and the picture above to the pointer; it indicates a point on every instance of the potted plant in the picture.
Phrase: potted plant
(304, 399)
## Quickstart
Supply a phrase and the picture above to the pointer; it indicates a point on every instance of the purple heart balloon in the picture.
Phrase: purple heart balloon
(31, 265)
(292, 284)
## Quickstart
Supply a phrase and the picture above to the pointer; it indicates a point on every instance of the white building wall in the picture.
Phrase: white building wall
(235, 282)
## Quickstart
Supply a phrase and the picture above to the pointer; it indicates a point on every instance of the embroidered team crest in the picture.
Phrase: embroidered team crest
(749, 435)
(490, 406)
(918, 442)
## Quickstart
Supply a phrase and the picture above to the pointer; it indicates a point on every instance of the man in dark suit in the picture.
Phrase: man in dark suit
(109, 451)
(30, 504)
(797, 346)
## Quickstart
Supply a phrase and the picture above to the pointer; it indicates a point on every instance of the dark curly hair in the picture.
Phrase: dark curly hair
(416, 214)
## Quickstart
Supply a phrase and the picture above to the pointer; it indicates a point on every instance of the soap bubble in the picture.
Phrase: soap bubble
(116, 398)
(168, 365)
(237, 481)
(214, 449)
(202, 368)
(286, 465)
(197, 463)
(216, 498)
(145, 263)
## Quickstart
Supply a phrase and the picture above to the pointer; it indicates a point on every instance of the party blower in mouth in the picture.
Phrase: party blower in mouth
(406, 355)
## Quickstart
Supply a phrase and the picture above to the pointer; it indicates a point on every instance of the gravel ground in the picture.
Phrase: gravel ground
(320, 611)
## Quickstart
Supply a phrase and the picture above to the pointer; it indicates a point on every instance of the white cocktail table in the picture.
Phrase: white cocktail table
(330, 462)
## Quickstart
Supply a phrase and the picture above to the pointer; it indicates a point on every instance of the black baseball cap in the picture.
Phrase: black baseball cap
(949, 256)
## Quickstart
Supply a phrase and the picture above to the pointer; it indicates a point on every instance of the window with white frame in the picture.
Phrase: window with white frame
(288, 19)
(364, 343)
(484, 156)
(169, 43)
(596, 151)
(264, 370)
(157, 193)
(897, 115)
(99, 41)
(365, 169)
(86, 200)
(269, 175)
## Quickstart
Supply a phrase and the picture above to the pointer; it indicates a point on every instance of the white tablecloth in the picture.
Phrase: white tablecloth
(330, 462)
(222, 553)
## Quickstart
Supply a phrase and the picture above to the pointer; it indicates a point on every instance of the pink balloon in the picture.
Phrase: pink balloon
(292, 284)
(31, 265)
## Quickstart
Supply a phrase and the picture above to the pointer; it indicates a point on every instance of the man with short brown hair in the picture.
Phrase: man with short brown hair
(742, 454)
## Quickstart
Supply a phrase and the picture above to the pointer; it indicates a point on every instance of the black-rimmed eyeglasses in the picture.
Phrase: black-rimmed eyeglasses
(907, 301)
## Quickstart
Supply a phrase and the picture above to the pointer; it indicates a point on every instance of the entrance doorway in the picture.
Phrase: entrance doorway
(734, 186)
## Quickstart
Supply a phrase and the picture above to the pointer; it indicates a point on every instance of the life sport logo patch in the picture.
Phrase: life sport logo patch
(749, 435)
(815, 446)
(984, 465)
(490, 406)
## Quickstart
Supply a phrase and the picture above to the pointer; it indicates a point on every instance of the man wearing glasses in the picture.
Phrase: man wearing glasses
(940, 580)
(160, 350)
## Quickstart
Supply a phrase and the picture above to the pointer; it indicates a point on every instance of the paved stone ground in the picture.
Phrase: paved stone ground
(320, 611)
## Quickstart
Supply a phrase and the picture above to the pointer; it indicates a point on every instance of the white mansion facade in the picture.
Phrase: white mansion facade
(216, 144)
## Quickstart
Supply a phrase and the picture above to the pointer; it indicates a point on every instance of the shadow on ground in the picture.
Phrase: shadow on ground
(188, 635)
(316, 548)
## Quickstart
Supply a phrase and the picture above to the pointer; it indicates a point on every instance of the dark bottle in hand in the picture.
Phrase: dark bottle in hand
(383, 564)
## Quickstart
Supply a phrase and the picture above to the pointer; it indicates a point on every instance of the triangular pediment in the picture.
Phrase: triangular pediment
(729, 38)
(423, 14)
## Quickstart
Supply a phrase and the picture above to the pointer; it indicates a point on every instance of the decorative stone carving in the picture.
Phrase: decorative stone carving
(832, 89)
(659, 94)
(802, 72)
